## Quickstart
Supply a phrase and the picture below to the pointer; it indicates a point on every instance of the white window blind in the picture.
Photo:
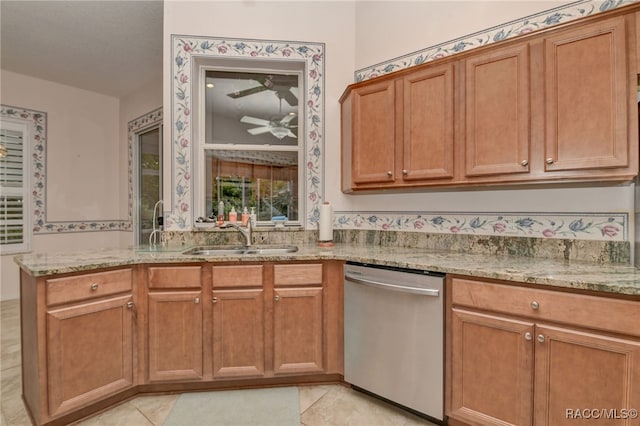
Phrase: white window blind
(15, 235)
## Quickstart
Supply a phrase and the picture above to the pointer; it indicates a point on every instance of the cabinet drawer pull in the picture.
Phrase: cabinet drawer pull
(276, 298)
(535, 305)
(528, 336)
(524, 163)
(214, 300)
(130, 304)
(540, 338)
(549, 160)
(94, 286)
(196, 300)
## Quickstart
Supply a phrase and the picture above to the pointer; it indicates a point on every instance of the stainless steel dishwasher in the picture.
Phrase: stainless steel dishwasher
(393, 335)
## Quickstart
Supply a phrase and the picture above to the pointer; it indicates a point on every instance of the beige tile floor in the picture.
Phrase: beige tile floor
(324, 405)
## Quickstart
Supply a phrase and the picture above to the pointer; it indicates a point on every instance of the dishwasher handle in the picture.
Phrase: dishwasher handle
(387, 286)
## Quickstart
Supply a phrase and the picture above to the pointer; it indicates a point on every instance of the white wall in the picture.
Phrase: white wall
(388, 29)
(84, 175)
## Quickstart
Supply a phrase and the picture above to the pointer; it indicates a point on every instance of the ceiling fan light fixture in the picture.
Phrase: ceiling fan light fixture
(279, 132)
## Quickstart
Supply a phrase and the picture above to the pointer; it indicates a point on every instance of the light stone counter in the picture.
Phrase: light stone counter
(610, 278)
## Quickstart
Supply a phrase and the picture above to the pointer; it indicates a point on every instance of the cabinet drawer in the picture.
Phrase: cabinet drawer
(621, 316)
(297, 274)
(175, 277)
(87, 286)
(237, 276)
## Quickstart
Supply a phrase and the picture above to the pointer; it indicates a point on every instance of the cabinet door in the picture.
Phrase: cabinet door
(582, 371)
(175, 335)
(587, 91)
(238, 333)
(497, 111)
(428, 124)
(491, 369)
(89, 352)
(298, 331)
(373, 141)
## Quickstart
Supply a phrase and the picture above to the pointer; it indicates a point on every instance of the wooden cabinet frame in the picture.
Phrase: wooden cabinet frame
(520, 356)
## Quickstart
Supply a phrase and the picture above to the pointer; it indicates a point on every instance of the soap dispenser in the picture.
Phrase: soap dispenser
(233, 215)
(245, 217)
(253, 216)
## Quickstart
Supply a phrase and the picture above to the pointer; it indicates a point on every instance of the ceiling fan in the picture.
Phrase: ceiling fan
(281, 84)
(278, 128)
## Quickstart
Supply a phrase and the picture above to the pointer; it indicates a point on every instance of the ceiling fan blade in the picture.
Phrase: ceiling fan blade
(254, 120)
(289, 97)
(247, 92)
(259, 130)
(287, 119)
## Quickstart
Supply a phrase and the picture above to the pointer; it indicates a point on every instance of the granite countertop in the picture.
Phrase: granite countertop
(609, 278)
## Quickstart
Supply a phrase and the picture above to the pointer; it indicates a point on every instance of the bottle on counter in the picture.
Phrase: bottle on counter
(220, 213)
(252, 217)
(245, 217)
(233, 215)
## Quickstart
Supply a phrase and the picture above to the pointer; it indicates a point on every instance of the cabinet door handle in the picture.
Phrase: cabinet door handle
(540, 338)
(196, 300)
(389, 173)
(524, 163)
(535, 305)
(405, 172)
(549, 160)
(276, 298)
(214, 300)
(528, 336)
(94, 286)
(132, 306)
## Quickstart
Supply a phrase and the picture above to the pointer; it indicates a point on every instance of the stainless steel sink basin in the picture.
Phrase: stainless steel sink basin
(256, 249)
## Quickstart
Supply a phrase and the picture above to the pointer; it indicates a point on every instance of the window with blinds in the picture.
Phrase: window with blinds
(14, 230)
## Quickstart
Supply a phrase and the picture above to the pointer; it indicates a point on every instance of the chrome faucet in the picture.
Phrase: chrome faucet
(247, 232)
(153, 238)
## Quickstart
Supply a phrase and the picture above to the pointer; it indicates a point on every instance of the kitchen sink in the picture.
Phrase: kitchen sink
(254, 249)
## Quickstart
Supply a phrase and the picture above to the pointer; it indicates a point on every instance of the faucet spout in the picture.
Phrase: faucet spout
(247, 232)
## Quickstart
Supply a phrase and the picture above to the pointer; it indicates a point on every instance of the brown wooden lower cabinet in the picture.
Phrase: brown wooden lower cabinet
(92, 340)
(238, 333)
(298, 331)
(89, 352)
(175, 335)
(515, 358)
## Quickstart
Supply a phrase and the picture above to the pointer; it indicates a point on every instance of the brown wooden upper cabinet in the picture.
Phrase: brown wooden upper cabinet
(497, 111)
(399, 131)
(587, 91)
(557, 105)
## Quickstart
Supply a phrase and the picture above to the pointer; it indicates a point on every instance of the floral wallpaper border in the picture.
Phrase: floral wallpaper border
(184, 49)
(510, 29)
(135, 127)
(583, 226)
(38, 122)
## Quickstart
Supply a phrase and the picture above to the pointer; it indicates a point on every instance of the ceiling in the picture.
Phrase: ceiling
(114, 47)
(109, 47)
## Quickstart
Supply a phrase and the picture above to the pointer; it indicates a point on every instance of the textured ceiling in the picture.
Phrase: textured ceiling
(109, 47)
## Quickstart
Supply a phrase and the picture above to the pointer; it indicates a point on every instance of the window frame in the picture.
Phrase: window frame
(23, 191)
(202, 146)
